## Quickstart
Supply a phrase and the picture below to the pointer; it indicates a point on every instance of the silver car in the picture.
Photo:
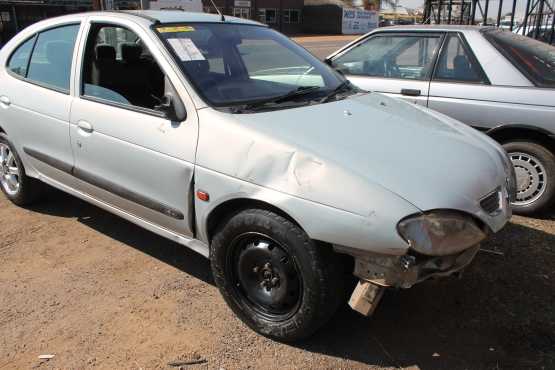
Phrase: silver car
(494, 80)
(225, 136)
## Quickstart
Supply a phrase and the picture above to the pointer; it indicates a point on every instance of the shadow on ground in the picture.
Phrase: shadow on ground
(500, 315)
(63, 205)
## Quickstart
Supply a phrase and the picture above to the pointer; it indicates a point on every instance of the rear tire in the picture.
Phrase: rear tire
(19, 188)
(277, 280)
(535, 170)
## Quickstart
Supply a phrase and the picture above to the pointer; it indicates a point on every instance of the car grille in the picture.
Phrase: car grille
(492, 203)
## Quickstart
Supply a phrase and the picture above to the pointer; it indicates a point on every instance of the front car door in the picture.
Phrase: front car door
(395, 63)
(127, 153)
(36, 98)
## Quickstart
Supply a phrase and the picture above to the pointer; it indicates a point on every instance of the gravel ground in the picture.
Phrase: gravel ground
(99, 292)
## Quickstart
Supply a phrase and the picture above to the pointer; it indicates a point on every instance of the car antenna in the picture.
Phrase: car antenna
(218, 10)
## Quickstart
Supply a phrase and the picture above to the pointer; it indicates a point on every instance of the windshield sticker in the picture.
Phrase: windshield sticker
(186, 49)
(175, 29)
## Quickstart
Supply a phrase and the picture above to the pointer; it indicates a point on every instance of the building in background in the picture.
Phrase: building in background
(18, 14)
(340, 16)
(15, 15)
(283, 15)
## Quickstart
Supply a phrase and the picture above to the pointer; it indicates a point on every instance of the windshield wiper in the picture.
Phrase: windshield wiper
(300, 91)
(343, 86)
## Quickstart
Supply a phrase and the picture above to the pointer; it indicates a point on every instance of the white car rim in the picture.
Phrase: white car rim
(9, 171)
(531, 178)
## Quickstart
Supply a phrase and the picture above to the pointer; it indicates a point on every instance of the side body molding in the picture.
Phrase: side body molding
(106, 185)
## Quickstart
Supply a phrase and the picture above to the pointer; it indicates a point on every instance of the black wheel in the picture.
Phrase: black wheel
(18, 187)
(278, 281)
(535, 174)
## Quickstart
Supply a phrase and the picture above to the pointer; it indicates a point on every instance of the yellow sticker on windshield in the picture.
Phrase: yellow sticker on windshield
(171, 29)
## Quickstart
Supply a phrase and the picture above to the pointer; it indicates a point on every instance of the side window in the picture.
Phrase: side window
(391, 56)
(457, 63)
(52, 56)
(120, 69)
(20, 58)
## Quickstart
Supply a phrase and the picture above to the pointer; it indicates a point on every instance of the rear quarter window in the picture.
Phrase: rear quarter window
(535, 59)
(20, 58)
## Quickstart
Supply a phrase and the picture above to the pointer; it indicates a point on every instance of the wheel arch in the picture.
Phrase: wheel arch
(507, 133)
(231, 207)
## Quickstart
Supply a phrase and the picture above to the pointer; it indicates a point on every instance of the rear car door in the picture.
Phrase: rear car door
(460, 88)
(36, 99)
(395, 63)
(127, 153)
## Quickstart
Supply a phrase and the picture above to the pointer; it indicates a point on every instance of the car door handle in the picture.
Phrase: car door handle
(5, 100)
(410, 92)
(85, 126)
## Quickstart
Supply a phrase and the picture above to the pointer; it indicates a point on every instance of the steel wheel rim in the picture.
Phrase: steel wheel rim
(264, 276)
(9, 170)
(531, 178)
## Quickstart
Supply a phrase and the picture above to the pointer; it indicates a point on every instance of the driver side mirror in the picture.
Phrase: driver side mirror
(171, 105)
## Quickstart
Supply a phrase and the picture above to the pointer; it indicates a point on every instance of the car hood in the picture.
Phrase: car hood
(349, 152)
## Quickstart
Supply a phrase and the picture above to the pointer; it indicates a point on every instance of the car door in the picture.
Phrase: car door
(36, 97)
(395, 63)
(461, 89)
(127, 153)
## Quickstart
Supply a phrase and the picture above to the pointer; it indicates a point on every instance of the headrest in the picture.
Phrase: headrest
(461, 61)
(58, 51)
(105, 52)
(131, 52)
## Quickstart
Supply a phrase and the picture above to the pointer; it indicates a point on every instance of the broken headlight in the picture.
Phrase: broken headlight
(440, 233)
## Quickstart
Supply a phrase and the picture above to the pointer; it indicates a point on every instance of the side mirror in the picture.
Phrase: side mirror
(172, 107)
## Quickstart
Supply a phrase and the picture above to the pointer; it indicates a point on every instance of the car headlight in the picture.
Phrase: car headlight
(440, 233)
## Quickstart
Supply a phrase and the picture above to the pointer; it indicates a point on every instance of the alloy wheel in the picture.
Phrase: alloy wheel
(531, 178)
(10, 176)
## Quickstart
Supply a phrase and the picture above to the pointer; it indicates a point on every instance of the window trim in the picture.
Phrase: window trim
(434, 59)
(485, 81)
(81, 88)
(36, 36)
(129, 107)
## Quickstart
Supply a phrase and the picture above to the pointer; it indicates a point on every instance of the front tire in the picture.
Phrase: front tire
(535, 171)
(14, 183)
(277, 280)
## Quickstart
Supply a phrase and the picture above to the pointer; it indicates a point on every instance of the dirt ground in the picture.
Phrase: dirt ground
(99, 292)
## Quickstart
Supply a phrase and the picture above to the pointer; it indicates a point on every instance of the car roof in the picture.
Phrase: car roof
(435, 27)
(177, 16)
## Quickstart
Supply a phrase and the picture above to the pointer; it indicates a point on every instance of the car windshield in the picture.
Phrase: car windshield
(535, 59)
(236, 64)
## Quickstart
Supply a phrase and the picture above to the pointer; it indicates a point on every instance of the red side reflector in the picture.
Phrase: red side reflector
(202, 195)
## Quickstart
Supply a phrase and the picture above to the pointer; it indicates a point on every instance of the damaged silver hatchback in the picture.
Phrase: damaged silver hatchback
(225, 136)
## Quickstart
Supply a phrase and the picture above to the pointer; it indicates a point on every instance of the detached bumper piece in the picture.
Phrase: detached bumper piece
(405, 271)
(377, 272)
(366, 297)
